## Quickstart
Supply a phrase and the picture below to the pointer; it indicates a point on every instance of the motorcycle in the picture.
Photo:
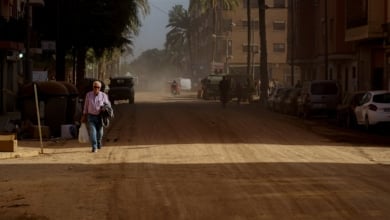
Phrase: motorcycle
(174, 89)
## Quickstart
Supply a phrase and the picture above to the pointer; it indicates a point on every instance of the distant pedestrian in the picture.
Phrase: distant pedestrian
(224, 88)
(239, 91)
(93, 105)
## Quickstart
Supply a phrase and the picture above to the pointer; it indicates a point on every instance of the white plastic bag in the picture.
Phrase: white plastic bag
(83, 134)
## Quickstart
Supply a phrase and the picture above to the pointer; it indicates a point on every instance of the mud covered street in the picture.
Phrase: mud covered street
(183, 158)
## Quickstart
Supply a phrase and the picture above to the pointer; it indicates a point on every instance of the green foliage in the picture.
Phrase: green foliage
(98, 24)
(204, 5)
(177, 44)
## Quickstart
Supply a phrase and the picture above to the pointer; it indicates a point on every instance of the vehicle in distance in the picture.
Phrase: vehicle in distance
(121, 88)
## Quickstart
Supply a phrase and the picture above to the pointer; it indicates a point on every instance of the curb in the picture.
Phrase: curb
(20, 154)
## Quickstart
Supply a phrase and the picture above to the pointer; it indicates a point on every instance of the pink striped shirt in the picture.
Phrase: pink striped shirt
(93, 102)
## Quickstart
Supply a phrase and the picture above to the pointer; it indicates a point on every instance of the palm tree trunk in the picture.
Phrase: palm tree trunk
(248, 12)
(190, 56)
(263, 54)
(80, 73)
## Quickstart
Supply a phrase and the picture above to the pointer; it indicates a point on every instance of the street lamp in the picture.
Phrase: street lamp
(215, 36)
(228, 44)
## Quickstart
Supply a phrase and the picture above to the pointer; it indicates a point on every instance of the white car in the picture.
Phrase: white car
(373, 108)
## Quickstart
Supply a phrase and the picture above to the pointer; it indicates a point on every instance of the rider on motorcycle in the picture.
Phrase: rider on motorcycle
(174, 88)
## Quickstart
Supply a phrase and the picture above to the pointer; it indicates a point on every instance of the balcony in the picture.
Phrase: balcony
(364, 20)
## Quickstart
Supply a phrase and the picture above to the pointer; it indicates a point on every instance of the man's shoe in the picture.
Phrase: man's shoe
(94, 150)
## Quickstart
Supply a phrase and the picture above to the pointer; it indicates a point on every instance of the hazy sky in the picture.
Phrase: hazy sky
(153, 31)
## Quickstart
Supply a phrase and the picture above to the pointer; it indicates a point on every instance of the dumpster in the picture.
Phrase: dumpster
(72, 100)
(53, 101)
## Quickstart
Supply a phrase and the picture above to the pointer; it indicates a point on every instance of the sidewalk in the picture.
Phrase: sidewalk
(32, 148)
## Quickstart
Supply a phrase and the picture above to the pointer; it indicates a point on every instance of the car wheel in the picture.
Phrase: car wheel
(348, 122)
(353, 121)
(339, 119)
(366, 123)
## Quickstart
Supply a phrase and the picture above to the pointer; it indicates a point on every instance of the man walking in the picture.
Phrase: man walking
(94, 101)
(224, 87)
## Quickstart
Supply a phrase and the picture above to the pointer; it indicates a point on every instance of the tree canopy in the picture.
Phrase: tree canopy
(98, 24)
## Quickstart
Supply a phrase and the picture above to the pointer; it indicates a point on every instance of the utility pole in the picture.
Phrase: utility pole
(263, 54)
(326, 60)
(292, 35)
(248, 11)
(60, 50)
(27, 62)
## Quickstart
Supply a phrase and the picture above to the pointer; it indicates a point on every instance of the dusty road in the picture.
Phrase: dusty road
(181, 158)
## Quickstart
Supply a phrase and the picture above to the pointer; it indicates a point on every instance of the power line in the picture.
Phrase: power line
(158, 8)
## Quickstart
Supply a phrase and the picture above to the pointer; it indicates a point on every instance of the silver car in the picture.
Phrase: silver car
(319, 96)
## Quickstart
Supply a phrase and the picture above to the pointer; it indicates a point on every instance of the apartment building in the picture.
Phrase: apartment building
(366, 27)
(341, 40)
(224, 45)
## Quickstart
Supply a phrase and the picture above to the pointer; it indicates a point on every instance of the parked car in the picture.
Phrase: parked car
(346, 110)
(210, 86)
(318, 97)
(374, 108)
(278, 103)
(247, 89)
(275, 93)
(289, 105)
(121, 88)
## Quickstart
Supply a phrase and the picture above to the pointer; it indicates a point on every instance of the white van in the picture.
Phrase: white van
(185, 84)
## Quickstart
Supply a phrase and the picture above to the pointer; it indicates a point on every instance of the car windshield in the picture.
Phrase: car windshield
(382, 98)
(324, 88)
(121, 82)
(214, 79)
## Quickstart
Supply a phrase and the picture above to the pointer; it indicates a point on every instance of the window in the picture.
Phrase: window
(279, 47)
(254, 24)
(253, 3)
(324, 88)
(254, 47)
(356, 13)
(279, 25)
(381, 98)
(279, 4)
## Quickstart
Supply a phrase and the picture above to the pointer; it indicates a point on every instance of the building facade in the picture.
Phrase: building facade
(12, 37)
(365, 27)
(16, 34)
(223, 44)
(341, 40)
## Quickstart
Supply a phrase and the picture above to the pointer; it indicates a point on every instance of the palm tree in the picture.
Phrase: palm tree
(179, 36)
(263, 54)
(98, 24)
(249, 20)
(204, 5)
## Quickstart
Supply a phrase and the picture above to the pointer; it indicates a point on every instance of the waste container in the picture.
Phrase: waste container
(53, 100)
(72, 100)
